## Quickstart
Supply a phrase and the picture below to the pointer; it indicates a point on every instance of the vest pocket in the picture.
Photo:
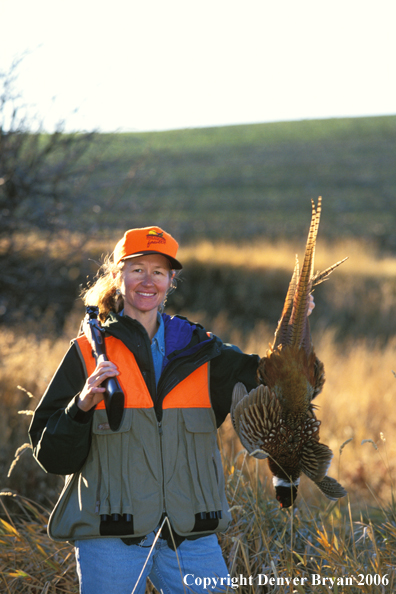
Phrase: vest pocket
(199, 448)
(112, 446)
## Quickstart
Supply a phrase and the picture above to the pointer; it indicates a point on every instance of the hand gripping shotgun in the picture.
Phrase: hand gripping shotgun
(113, 396)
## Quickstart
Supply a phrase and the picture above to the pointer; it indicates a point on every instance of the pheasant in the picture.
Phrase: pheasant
(277, 419)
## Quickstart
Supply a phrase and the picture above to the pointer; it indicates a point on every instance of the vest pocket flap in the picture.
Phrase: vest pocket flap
(199, 420)
(100, 424)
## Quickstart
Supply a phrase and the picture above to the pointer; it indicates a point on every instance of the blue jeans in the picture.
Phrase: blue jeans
(108, 566)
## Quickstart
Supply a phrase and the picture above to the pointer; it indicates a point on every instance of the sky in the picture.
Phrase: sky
(138, 65)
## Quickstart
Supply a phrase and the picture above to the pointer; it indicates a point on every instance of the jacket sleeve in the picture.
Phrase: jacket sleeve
(60, 433)
(231, 367)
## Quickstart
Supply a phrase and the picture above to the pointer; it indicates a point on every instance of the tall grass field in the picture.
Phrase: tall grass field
(238, 199)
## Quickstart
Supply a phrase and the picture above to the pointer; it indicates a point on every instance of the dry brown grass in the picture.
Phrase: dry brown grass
(29, 561)
(262, 541)
(27, 363)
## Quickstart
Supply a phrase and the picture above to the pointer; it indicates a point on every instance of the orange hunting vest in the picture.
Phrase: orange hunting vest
(193, 391)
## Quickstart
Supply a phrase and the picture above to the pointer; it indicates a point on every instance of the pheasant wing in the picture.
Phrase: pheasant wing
(256, 418)
(331, 488)
(315, 460)
(238, 395)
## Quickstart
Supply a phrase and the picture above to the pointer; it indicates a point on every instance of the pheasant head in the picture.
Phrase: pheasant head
(277, 419)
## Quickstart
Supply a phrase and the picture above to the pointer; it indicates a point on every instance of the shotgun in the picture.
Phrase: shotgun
(113, 396)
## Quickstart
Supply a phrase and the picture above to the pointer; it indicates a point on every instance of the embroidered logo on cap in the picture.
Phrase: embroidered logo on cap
(154, 237)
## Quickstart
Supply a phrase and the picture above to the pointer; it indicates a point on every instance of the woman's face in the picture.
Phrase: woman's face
(144, 282)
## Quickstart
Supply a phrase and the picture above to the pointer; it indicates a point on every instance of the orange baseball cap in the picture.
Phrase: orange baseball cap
(148, 240)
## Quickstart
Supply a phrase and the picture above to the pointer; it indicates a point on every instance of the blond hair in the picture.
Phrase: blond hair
(103, 291)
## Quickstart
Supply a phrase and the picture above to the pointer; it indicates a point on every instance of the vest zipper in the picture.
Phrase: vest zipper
(98, 488)
(161, 432)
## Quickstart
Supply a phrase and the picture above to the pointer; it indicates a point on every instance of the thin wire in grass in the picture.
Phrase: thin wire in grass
(151, 550)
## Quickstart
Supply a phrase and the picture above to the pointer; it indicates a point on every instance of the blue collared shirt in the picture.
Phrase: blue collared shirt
(158, 348)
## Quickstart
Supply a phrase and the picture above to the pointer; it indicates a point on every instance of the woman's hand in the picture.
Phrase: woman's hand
(311, 304)
(93, 393)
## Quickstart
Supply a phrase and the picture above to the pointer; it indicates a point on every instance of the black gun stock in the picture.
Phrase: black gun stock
(113, 396)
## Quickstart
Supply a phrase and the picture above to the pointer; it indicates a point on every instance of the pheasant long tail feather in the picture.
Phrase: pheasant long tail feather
(298, 320)
(281, 331)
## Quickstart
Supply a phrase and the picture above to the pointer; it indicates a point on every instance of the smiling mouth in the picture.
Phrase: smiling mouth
(146, 294)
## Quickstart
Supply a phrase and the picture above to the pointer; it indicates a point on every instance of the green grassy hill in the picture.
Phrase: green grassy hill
(241, 182)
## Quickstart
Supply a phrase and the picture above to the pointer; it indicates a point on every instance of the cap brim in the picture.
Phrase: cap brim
(175, 264)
